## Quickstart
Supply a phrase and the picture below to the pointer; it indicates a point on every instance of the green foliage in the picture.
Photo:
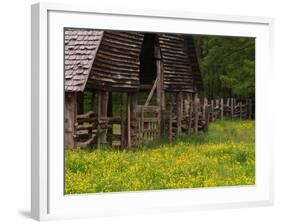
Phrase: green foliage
(224, 156)
(228, 66)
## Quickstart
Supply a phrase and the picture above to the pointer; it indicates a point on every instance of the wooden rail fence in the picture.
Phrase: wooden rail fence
(182, 116)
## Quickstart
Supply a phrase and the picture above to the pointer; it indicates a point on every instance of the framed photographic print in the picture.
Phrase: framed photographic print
(148, 111)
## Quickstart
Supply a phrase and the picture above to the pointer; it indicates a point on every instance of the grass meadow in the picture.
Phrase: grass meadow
(223, 156)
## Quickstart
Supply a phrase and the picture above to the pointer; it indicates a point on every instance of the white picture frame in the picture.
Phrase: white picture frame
(48, 201)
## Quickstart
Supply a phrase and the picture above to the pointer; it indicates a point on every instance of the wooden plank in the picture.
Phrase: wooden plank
(227, 103)
(196, 115)
(150, 119)
(179, 112)
(86, 115)
(159, 89)
(86, 143)
(204, 110)
(129, 145)
(186, 107)
(240, 109)
(70, 120)
(151, 92)
(153, 109)
(103, 113)
(221, 108)
(123, 120)
(109, 115)
(142, 120)
(250, 109)
(134, 127)
(206, 127)
(190, 120)
(98, 116)
(171, 123)
(232, 102)
(127, 36)
(212, 110)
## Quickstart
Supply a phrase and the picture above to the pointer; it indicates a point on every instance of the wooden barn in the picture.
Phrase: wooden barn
(160, 68)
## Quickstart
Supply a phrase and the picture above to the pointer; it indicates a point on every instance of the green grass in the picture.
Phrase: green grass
(224, 156)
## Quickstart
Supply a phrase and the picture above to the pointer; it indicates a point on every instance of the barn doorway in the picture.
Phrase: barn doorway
(148, 68)
(148, 110)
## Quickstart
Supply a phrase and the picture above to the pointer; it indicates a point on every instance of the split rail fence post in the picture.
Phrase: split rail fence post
(221, 106)
(250, 109)
(204, 109)
(171, 123)
(179, 112)
(212, 110)
(195, 113)
(142, 121)
(190, 119)
(231, 103)
(98, 133)
(240, 108)
(123, 120)
(129, 121)
(206, 114)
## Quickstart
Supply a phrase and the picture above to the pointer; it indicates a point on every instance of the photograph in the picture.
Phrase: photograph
(157, 111)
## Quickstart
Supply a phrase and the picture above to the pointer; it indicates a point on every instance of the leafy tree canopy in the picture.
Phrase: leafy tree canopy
(227, 65)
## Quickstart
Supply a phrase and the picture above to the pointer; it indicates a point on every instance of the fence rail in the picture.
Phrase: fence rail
(183, 115)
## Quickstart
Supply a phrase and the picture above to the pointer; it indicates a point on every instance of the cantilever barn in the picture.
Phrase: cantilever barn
(155, 76)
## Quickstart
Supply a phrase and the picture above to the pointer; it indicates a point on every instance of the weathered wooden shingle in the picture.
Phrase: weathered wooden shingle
(81, 46)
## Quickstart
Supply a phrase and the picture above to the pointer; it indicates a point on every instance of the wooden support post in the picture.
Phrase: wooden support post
(171, 123)
(160, 89)
(240, 108)
(221, 107)
(159, 100)
(109, 114)
(150, 95)
(250, 109)
(129, 145)
(206, 126)
(231, 108)
(179, 112)
(196, 115)
(204, 110)
(70, 108)
(142, 121)
(212, 110)
(123, 121)
(133, 106)
(190, 120)
(186, 107)
(98, 133)
(103, 113)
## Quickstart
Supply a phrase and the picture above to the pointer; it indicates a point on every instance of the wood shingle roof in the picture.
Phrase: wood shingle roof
(81, 46)
(111, 60)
